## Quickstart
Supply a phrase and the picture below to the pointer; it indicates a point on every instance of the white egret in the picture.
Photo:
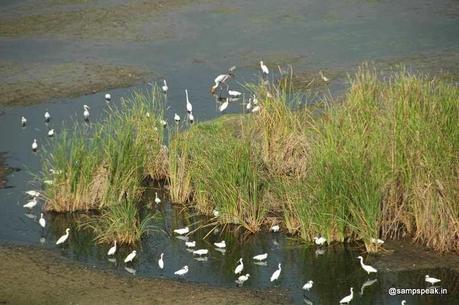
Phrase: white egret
(86, 112)
(182, 231)
(130, 257)
(23, 121)
(431, 280)
(182, 271)
(347, 299)
(51, 133)
(189, 107)
(255, 100)
(47, 117)
(112, 250)
(42, 221)
(261, 257)
(234, 93)
(219, 80)
(320, 241)
(31, 204)
(157, 200)
(276, 273)
(249, 104)
(201, 252)
(369, 269)
(221, 244)
(191, 117)
(176, 118)
(161, 261)
(190, 244)
(34, 145)
(264, 68)
(274, 228)
(223, 106)
(377, 241)
(239, 267)
(308, 285)
(216, 213)
(48, 182)
(33, 193)
(163, 123)
(165, 88)
(55, 172)
(367, 284)
(64, 237)
(256, 108)
(324, 78)
(108, 97)
(243, 278)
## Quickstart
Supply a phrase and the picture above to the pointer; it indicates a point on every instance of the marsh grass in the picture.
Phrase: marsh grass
(107, 166)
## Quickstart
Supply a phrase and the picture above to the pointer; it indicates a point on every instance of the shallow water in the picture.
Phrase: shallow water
(205, 39)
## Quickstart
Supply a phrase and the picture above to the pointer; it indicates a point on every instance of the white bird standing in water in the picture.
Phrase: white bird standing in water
(221, 244)
(369, 269)
(201, 252)
(219, 80)
(42, 221)
(157, 200)
(31, 204)
(86, 112)
(108, 97)
(239, 267)
(276, 273)
(176, 118)
(243, 278)
(324, 78)
(33, 193)
(112, 250)
(261, 257)
(47, 117)
(163, 123)
(377, 241)
(23, 121)
(264, 68)
(182, 271)
(431, 280)
(64, 237)
(308, 285)
(190, 244)
(224, 105)
(274, 228)
(189, 107)
(165, 88)
(130, 257)
(347, 299)
(320, 241)
(34, 145)
(51, 133)
(161, 261)
(182, 231)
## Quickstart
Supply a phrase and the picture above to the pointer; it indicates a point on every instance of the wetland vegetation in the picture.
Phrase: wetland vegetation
(380, 162)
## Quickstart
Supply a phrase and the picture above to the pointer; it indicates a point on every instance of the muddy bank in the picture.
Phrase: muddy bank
(131, 20)
(44, 277)
(403, 255)
(25, 84)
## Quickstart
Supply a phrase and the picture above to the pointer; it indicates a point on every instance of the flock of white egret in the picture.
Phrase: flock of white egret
(219, 82)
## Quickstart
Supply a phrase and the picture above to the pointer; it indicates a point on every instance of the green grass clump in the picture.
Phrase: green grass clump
(105, 166)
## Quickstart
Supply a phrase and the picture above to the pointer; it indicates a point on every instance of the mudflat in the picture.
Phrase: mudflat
(37, 276)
